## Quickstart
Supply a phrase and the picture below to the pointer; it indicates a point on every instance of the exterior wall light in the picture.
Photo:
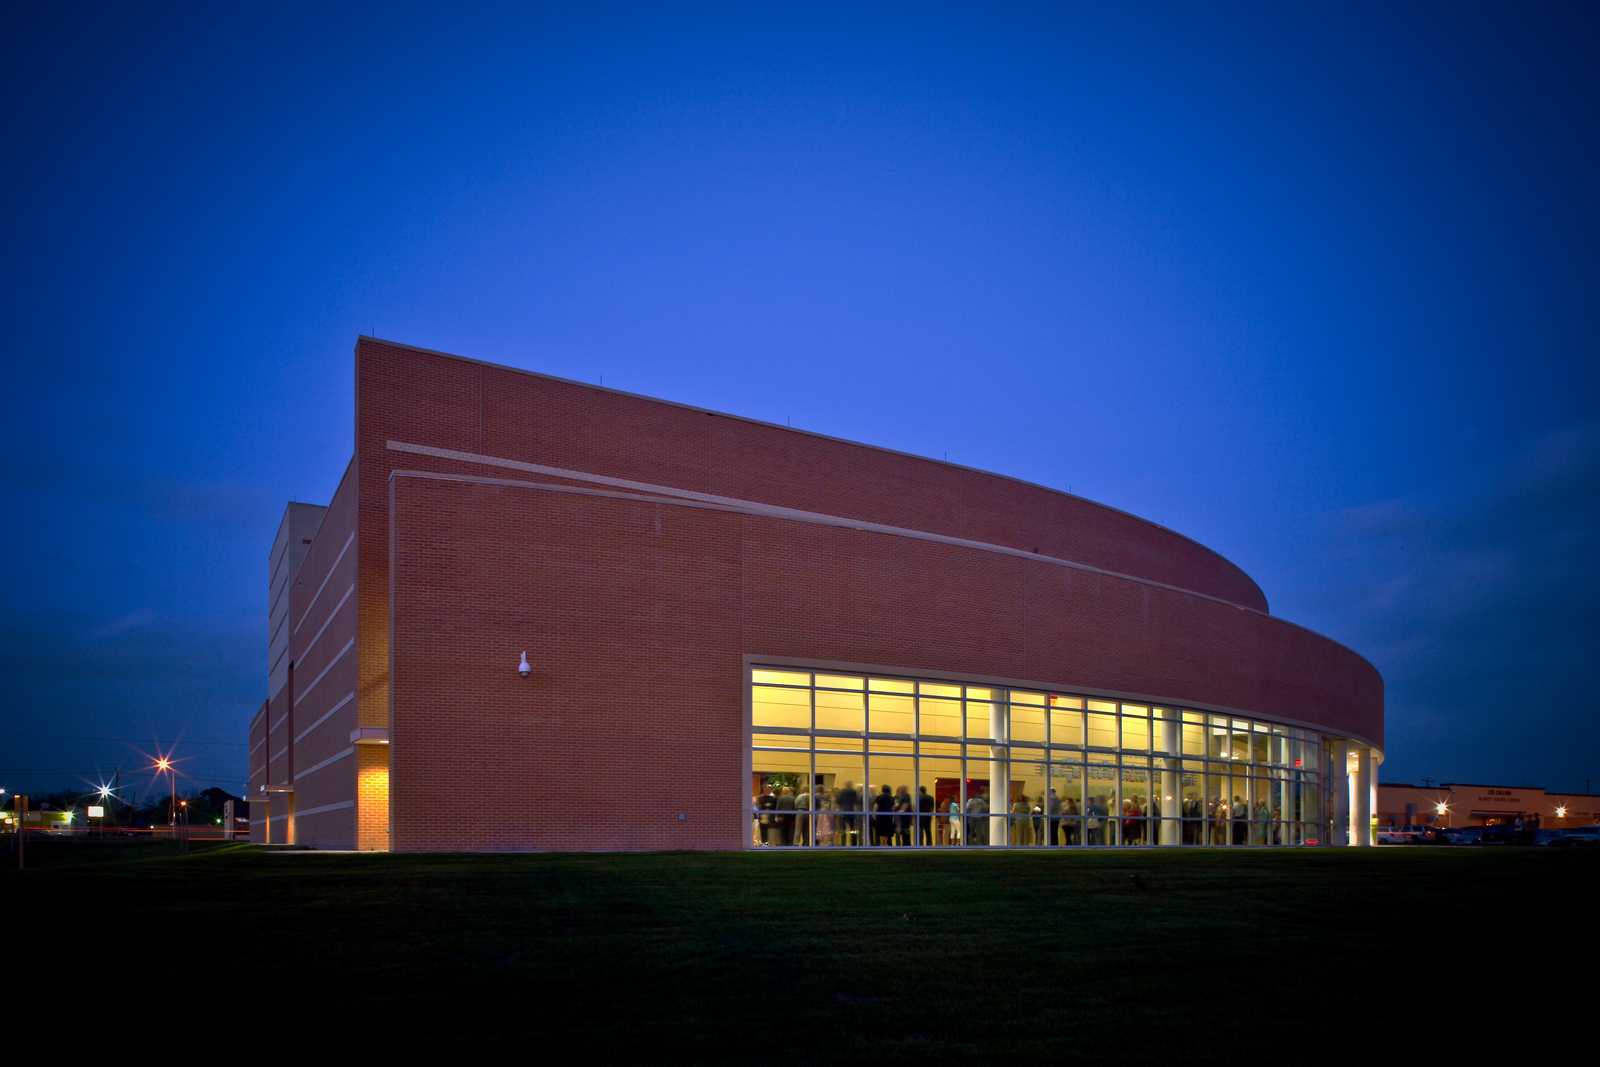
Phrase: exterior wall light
(524, 668)
(1441, 808)
(1561, 811)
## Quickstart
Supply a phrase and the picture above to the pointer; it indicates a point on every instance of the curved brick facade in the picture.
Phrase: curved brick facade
(644, 553)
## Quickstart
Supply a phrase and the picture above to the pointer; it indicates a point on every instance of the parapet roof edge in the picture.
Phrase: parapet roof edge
(828, 437)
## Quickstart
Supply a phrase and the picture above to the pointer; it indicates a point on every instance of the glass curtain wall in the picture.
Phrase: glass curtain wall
(861, 761)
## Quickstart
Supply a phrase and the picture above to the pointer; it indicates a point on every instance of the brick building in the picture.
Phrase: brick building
(1455, 804)
(739, 634)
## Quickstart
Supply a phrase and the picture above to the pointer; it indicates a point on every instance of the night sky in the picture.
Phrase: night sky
(1317, 289)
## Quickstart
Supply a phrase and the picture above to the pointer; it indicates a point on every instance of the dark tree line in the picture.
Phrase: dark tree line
(204, 806)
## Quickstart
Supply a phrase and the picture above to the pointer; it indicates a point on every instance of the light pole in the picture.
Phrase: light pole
(105, 793)
(164, 766)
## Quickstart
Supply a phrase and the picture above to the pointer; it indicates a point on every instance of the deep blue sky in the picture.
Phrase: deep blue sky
(1316, 288)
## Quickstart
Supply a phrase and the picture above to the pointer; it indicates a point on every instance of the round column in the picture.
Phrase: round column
(1361, 817)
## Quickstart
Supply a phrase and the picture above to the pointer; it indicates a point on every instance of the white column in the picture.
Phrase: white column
(1361, 817)
(1169, 786)
(1339, 786)
(999, 778)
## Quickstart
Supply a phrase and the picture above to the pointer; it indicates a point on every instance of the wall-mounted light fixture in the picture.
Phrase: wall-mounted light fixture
(524, 668)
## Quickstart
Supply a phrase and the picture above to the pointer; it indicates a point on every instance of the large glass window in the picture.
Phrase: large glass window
(889, 779)
(1026, 719)
(784, 708)
(841, 784)
(840, 711)
(892, 713)
(1066, 801)
(1027, 796)
(939, 710)
(778, 780)
(853, 761)
(1066, 721)
(1102, 724)
(1192, 809)
(939, 792)
(1100, 800)
(1136, 808)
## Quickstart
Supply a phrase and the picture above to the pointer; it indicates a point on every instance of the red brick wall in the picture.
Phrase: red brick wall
(257, 760)
(636, 616)
(279, 756)
(322, 621)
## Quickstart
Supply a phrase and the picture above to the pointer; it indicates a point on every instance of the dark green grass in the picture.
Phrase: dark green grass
(1113, 957)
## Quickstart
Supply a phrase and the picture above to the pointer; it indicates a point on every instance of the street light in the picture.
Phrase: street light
(163, 765)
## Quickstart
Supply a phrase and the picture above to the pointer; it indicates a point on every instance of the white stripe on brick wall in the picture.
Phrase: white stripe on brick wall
(334, 662)
(348, 593)
(277, 556)
(778, 511)
(284, 751)
(301, 736)
(691, 498)
(325, 579)
(335, 758)
(255, 746)
(277, 628)
(281, 720)
(340, 806)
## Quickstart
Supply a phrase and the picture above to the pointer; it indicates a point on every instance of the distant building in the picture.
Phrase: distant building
(1454, 804)
(60, 822)
(540, 614)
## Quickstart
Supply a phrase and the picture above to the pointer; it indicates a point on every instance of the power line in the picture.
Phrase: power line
(184, 772)
(138, 740)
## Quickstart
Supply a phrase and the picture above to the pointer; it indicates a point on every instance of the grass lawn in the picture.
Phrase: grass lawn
(1112, 957)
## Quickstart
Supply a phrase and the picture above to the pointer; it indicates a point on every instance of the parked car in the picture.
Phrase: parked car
(1505, 834)
(1578, 837)
(1547, 837)
(1460, 835)
(1408, 835)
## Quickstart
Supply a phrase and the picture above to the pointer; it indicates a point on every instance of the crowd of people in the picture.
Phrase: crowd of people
(847, 816)
(843, 816)
(1220, 822)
